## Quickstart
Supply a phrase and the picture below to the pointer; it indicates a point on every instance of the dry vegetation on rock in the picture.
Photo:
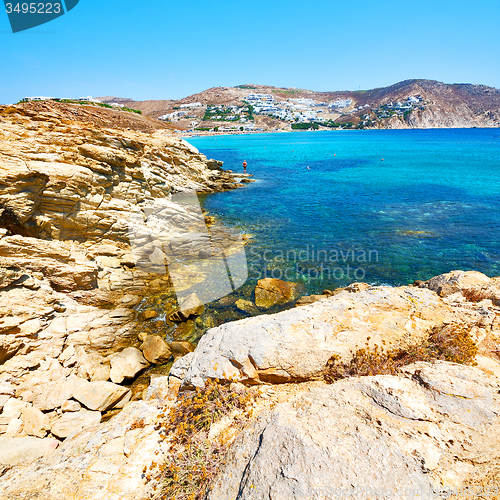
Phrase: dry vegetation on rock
(451, 343)
(196, 451)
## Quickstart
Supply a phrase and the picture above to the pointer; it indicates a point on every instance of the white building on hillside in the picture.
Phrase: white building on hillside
(340, 103)
(191, 105)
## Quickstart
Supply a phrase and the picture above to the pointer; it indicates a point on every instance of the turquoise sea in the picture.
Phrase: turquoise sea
(327, 211)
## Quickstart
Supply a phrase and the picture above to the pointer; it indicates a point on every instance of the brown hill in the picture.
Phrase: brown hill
(102, 117)
(441, 105)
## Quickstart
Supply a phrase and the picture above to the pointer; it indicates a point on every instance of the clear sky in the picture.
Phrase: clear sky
(159, 49)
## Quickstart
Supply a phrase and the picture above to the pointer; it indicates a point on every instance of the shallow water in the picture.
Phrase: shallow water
(432, 204)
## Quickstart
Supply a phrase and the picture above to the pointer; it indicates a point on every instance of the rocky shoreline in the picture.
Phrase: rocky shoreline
(70, 343)
(77, 420)
(429, 426)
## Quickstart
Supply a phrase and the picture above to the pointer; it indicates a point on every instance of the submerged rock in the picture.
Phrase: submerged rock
(191, 306)
(246, 306)
(156, 350)
(150, 313)
(270, 292)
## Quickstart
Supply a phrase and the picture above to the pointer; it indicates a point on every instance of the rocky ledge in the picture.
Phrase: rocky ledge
(73, 183)
(427, 426)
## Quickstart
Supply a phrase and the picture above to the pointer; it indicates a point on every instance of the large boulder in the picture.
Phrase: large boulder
(19, 450)
(100, 396)
(456, 281)
(156, 350)
(270, 292)
(126, 364)
(371, 437)
(73, 422)
(297, 344)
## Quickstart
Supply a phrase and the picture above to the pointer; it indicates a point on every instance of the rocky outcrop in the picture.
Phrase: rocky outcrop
(432, 428)
(432, 425)
(73, 195)
(296, 344)
(62, 181)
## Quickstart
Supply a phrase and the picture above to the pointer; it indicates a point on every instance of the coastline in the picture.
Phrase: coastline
(215, 134)
(86, 365)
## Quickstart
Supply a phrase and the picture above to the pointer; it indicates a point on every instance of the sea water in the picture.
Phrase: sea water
(382, 206)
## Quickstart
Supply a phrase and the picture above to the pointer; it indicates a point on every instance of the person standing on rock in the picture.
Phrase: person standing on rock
(245, 166)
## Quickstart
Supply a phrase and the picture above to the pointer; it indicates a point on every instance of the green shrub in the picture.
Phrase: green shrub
(305, 126)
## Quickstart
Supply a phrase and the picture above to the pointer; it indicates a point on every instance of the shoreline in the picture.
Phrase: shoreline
(240, 132)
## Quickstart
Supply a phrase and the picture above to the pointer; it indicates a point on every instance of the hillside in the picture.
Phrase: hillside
(408, 104)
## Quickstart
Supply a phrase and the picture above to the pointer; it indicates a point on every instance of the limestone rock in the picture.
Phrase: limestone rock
(181, 348)
(3, 399)
(191, 306)
(100, 396)
(383, 432)
(6, 389)
(126, 364)
(181, 365)
(14, 407)
(296, 344)
(14, 428)
(52, 395)
(158, 388)
(73, 422)
(19, 450)
(455, 281)
(71, 405)
(156, 350)
(92, 366)
(109, 457)
(270, 292)
(35, 423)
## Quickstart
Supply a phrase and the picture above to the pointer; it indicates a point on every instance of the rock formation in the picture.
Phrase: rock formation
(70, 181)
(69, 280)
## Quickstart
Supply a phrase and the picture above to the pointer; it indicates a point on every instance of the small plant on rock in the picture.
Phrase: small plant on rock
(473, 295)
(448, 342)
(194, 458)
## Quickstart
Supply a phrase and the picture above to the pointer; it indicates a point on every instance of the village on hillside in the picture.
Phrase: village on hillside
(289, 114)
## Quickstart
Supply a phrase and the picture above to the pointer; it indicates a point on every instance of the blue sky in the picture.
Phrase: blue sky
(156, 49)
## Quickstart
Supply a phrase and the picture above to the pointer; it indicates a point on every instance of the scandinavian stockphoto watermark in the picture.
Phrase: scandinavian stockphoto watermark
(170, 236)
(26, 15)
(311, 263)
